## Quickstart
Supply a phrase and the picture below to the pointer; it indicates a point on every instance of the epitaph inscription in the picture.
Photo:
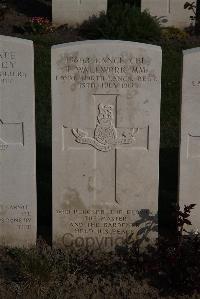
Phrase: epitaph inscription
(106, 99)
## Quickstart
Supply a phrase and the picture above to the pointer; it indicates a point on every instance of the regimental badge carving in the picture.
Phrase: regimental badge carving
(106, 136)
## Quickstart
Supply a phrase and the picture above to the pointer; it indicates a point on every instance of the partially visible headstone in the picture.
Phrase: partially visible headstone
(106, 126)
(189, 186)
(169, 12)
(73, 12)
(17, 143)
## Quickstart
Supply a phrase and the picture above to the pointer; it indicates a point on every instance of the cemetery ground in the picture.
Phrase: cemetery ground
(42, 272)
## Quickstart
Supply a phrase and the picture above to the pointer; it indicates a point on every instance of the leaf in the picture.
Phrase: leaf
(181, 214)
(141, 231)
(186, 5)
(130, 237)
(188, 222)
(192, 206)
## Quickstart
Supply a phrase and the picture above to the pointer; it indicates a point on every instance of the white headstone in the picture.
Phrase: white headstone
(190, 135)
(73, 12)
(106, 126)
(171, 11)
(17, 143)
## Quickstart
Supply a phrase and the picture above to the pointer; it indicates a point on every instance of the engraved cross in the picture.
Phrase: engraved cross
(11, 134)
(169, 6)
(105, 139)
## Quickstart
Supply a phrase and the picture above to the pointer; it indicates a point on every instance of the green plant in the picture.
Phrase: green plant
(182, 218)
(195, 8)
(190, 6)
(123, 22)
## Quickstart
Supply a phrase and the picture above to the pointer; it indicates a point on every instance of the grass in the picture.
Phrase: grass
(45, 272)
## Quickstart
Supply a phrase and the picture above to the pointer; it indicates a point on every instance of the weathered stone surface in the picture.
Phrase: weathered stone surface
(106, 126)
(73, 12)
(171, 11)
(189, 187)
(17, 143)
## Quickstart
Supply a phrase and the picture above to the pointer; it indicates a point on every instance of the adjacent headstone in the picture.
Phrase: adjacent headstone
(106, 125)
(73, 12)
(169, 12)
(17, 143)
(189, 187)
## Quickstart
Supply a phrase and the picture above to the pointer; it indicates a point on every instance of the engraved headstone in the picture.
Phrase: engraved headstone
(73, 12)
(189, 187)
(106, 125)
(17, 143)
(169, 12)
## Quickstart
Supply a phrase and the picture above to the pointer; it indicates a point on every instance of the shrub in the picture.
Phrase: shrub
(124, 22)
(172, 34)
(3, 9)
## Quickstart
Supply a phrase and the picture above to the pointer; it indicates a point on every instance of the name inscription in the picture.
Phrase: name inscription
(105, 72)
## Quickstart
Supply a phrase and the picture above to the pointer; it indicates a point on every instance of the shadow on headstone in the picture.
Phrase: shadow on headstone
(136, 3)
(147, 224)
(144, 237)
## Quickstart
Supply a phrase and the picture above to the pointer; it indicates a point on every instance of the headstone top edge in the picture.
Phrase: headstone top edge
(191, 51)
(15, 39)
(108, 42)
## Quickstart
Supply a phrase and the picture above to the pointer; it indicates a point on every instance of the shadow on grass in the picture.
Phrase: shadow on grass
(168, 191)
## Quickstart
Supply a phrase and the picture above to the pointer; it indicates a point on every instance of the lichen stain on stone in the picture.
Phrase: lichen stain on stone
(62, 61)
(71, 200)
(63, 64)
